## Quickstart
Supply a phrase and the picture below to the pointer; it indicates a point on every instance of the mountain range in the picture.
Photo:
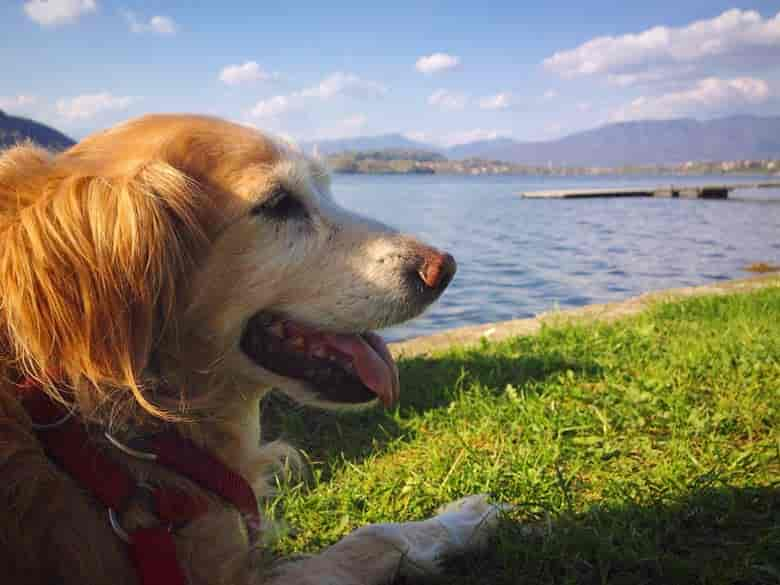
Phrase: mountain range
(14, 129)
(648, 142)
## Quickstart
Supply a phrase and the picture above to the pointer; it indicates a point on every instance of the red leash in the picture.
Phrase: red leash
(153, 549)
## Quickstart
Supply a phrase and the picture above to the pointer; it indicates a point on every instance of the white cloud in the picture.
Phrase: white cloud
(584, 107)
(455, 138)
(84, 107)
(338, 84)
(436, 63)
(447, 100)
(550, 94)
(353, 123)
(276, 106)
(344, 84)
(500, 101)
(417, 136)
(469, 136)
(350, 126)
(161, 25)
(733, 34)
(652, 76)
(54, 12)
(245, 73)
(709, 96)
(19, 102)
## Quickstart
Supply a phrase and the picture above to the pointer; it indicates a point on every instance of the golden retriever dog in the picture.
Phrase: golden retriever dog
(161, 277)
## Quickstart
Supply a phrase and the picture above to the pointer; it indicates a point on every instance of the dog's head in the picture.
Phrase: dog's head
(193, 251)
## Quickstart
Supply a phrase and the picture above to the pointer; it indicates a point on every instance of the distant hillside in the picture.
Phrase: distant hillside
(659, 142)
(14, 129)
(649, 142)
(367, 143)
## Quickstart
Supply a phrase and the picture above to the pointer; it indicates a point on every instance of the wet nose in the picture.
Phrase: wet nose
(436, 270)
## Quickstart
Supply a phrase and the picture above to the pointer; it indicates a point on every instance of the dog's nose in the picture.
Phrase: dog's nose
(436, 270)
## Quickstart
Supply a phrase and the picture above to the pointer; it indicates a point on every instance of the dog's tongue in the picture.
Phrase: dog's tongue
(372, 361)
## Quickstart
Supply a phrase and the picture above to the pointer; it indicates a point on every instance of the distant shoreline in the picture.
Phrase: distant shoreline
(563, 173)
(383, 164)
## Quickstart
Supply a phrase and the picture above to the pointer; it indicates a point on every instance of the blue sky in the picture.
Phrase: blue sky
(445, 72)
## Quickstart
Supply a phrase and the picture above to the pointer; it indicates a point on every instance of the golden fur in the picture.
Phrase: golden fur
(129, 265)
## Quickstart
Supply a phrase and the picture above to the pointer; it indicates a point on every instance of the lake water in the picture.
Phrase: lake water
(519, 257)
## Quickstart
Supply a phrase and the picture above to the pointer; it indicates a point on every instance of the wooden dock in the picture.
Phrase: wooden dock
(681, 191)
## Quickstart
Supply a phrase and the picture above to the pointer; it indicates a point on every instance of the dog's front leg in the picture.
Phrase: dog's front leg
(377, 553)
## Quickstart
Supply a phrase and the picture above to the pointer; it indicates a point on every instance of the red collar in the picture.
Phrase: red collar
(153, 551)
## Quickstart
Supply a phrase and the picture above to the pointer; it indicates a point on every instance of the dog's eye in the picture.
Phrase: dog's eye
(281, 205)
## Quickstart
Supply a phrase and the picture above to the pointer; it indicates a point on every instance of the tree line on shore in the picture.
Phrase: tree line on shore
(409, 161)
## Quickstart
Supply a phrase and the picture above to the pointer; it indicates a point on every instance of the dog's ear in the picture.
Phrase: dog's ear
(89, 270)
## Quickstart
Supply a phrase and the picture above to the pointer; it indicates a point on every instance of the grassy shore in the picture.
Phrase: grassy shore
(644, 451)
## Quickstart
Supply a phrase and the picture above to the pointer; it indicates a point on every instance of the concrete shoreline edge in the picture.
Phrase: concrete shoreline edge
(473, 334)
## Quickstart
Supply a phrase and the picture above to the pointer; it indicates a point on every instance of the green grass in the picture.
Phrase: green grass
(646, 451)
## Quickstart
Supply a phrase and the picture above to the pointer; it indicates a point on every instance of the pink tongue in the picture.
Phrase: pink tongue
(373, 371)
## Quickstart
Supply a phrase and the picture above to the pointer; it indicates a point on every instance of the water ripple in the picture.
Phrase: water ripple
(518, 257)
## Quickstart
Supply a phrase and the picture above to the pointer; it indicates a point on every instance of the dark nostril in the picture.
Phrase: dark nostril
(437, 270)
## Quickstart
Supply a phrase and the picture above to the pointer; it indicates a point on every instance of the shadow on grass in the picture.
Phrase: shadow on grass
(712, 536)
(426, 383)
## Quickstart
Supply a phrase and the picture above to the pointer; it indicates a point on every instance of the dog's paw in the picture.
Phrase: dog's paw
(471, 521)
(461, 526)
